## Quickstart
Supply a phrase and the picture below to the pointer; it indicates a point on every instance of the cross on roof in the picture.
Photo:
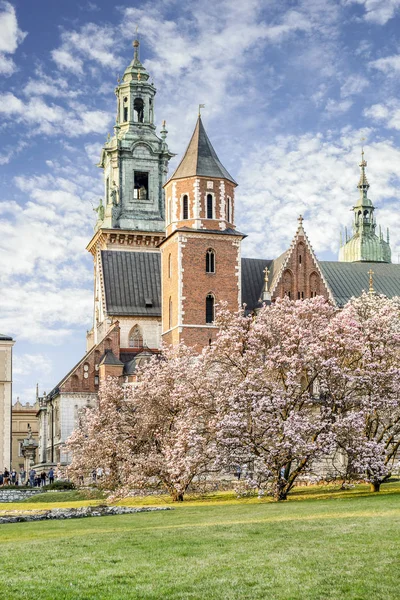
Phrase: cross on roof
(300, 220)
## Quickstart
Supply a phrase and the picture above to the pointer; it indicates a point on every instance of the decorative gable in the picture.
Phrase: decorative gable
(299, 275)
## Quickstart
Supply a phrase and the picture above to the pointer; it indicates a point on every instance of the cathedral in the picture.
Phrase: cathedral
(166, 251)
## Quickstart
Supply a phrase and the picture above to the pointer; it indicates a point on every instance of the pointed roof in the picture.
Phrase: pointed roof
(109, 358)
(200, 158)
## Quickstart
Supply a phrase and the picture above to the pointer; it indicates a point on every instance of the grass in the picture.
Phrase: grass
(330, 545)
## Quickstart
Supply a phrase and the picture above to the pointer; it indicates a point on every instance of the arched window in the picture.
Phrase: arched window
(210, 308)
(210, 261)
(170, 313)
(125, 109)
(314, 284)
(209, 206)
(169, 266)
(185, 207)
(228, 210)
(138, 110)
(287, 281)
(135, 338)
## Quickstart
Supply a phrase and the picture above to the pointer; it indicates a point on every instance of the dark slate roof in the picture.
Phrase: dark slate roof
(109, 358)
(5, 338)
(253, 281)
(347, 279)
(132, 283)
(200, 158)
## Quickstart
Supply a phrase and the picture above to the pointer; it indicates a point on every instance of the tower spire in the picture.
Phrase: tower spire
(363, 184)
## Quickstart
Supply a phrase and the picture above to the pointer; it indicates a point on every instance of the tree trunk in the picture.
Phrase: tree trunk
(177, 497)
(375, 486)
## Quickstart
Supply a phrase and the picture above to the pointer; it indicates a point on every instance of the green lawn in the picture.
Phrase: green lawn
(341, 545)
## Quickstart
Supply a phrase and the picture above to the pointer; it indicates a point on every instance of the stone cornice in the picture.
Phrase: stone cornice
(124, 238)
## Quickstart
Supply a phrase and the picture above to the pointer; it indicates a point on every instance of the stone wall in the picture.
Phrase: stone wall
(16, 495)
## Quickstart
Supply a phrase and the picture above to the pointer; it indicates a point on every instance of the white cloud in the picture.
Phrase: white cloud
(390, 65)
(335, 107)
(316, 176)
(354, 84)
(377, 11)
(387, 113)
(44, 267)
(26, 364)
(10, 37)
(91, 43)
(52, 119)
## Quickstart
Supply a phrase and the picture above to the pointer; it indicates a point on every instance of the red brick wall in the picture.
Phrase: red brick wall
(301, 275)
(197, 284)
(186, 186)
(76, 381)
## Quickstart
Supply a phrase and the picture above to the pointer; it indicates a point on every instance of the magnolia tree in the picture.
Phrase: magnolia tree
(370, 430)
(276, 395)
(284, 380)
(159, 431)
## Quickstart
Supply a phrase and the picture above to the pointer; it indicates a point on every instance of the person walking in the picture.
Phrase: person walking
(22, 476)
(51, 476)
(43, 478)
(32, 474)
(6, 477)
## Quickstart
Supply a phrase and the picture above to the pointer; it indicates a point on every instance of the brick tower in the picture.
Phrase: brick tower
(200, 257)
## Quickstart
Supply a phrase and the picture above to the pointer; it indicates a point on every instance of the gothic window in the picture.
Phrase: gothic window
(75, 383)
(141, 185)
(185, 207)
(314, 285)
(210, 261)
(210, 308)
(108, 344)
(299, 259)
(300, 295)
(170, 313)
(228, 210)
(138, 110)
(287, 283)
(135, 338)
(169, 266)
(209, 206)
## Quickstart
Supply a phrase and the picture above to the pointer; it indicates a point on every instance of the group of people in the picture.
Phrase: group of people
(34, 479)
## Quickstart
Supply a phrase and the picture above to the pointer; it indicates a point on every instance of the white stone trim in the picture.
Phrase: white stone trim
(222, 208)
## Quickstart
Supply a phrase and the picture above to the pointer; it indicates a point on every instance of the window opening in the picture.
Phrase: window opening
(141, 185)
(209, 206)
(210, 308)
(185, 209)
(135, 338)
(210, 261)
(300, 259)
(138, 110)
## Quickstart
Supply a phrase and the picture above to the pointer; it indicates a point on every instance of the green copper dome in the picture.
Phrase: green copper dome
(365, 245)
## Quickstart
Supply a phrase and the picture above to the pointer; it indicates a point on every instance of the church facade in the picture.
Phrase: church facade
(166, 251)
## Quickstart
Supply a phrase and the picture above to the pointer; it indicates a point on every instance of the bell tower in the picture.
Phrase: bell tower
(200, 257)
(131, 215)
(134, 160)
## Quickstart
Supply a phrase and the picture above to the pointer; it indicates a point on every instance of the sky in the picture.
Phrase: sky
(290, 87)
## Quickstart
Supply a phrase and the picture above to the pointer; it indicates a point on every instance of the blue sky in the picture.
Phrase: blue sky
(290, 88)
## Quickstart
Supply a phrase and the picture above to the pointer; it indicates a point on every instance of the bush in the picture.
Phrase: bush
(60, 485)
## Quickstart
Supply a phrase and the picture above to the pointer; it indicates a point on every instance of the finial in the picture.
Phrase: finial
(363, 184)
(108, 136)
(163, 131)
(118, 79)
(139, 76)
(266, 276)
(300, 220)
(371, 281)
(200, 107)
(136, 48)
